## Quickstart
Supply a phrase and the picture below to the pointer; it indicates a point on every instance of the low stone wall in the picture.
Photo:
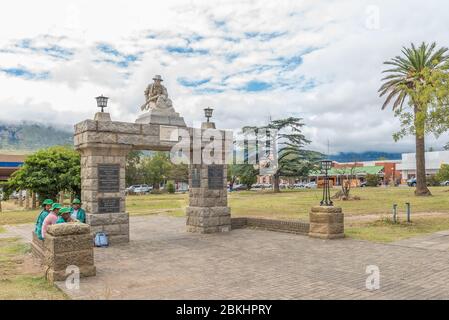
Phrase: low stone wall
(290, 226)
(37, 247)
(327, 223)
(68, 244)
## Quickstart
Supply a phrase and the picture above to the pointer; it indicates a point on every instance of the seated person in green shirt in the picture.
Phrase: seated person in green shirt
(64, 216)
(76, 212)
(40, 219)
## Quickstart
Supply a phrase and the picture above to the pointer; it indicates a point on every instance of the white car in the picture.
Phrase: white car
(311, 185)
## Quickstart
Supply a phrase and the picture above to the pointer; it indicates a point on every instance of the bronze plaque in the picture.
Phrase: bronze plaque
(196, 178)
(108, 178)
(108, 205)
(215, 176)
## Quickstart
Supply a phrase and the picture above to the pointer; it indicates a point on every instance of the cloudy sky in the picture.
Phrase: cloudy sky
(249, 60)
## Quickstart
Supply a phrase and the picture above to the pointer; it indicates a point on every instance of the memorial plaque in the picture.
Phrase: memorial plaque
(196, 178)
(108, 205)
(215, 176)
(108, 178)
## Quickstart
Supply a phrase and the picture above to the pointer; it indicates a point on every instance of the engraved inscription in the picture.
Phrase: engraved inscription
(108, 205)
(215, 176)
(108, 178)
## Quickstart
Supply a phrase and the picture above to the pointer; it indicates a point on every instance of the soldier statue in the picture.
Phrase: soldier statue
(156, 97)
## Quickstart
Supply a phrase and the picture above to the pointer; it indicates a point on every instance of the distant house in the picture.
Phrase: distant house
(9, 164)
(434, 160)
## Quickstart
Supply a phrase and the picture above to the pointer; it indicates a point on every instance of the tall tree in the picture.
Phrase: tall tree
(49, 171)
(133, 172)
(156, 169)
(420, 78)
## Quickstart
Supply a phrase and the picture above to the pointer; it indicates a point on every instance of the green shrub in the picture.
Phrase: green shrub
(170, 187)
(372, 180)
(433, 180)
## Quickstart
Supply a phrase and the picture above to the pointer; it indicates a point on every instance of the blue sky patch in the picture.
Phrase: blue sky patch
(21, 72)
(187, 50)
(254, 86)
(192, 83)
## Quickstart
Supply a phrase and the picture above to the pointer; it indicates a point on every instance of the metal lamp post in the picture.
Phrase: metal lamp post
(102, 102)
(208, 113)
(325, 167)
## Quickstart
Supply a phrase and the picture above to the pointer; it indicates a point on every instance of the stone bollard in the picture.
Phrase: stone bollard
(326, 223)
(68, 244)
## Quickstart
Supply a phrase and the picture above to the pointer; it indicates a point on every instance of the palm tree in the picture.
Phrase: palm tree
(408, 71)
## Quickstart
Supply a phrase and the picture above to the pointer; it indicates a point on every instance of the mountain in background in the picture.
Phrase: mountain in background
(32, 136)
(364, 156)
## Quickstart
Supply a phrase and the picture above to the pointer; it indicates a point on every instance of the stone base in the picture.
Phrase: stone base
(68, 248)
(208, 219)
(115, 225)
(162, 118)
(326, 223)
(102, 116)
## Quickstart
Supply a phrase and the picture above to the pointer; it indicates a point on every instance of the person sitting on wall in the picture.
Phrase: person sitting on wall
(76, 212)
(51, 218)
(40, 219)
(65, 216)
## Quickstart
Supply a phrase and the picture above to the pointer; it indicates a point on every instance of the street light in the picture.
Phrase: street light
(102, 102)
(208, 113)
(326, 165)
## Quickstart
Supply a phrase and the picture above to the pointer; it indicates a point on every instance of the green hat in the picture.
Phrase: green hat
(47, 202)
(63, 210)
(56, 206)
(76, 201)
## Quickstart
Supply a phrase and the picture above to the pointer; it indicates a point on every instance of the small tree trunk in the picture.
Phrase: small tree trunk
(27, 200)
(61, 198)
(33, 200)
(20, 199)
(421, 186)
(1, 206)
(276, 183)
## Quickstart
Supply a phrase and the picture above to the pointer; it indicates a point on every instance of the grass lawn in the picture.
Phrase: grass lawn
(375, 202)
(19, 278)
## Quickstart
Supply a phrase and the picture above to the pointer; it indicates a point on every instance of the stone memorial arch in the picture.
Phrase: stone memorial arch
(104, 145)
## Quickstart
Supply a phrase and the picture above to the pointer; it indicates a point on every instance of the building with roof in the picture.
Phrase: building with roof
(434, 160)
(10, 164)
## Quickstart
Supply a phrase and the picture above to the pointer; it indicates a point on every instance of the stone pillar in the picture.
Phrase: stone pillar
(68, 244)
(208, 210)
(103, 190)
(326, 223)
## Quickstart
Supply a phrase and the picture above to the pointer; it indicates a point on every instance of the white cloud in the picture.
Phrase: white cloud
(229, 42)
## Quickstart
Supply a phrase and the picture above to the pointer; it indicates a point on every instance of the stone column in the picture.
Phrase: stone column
(103, 190)
(68, 244)
(208, 210)
(326, 223)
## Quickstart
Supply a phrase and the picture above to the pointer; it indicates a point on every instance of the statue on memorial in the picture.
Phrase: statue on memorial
(156, 96)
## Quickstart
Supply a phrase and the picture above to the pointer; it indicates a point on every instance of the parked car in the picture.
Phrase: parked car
(311, 185)
(299, 186)
(363, 184)
(445, 183)
(256, 186)
(239, 187)
(139, 189)
(411, 182)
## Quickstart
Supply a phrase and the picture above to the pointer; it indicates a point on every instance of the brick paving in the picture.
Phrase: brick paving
(162, 261)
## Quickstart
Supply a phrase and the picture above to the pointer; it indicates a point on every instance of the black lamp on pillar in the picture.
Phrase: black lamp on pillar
(102, 102)
(326, 165)
(208, 113)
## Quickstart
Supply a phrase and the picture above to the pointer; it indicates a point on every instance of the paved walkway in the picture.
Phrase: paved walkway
(162, 261)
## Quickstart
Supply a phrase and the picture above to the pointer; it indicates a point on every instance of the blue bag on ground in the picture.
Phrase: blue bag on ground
(101, 239)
